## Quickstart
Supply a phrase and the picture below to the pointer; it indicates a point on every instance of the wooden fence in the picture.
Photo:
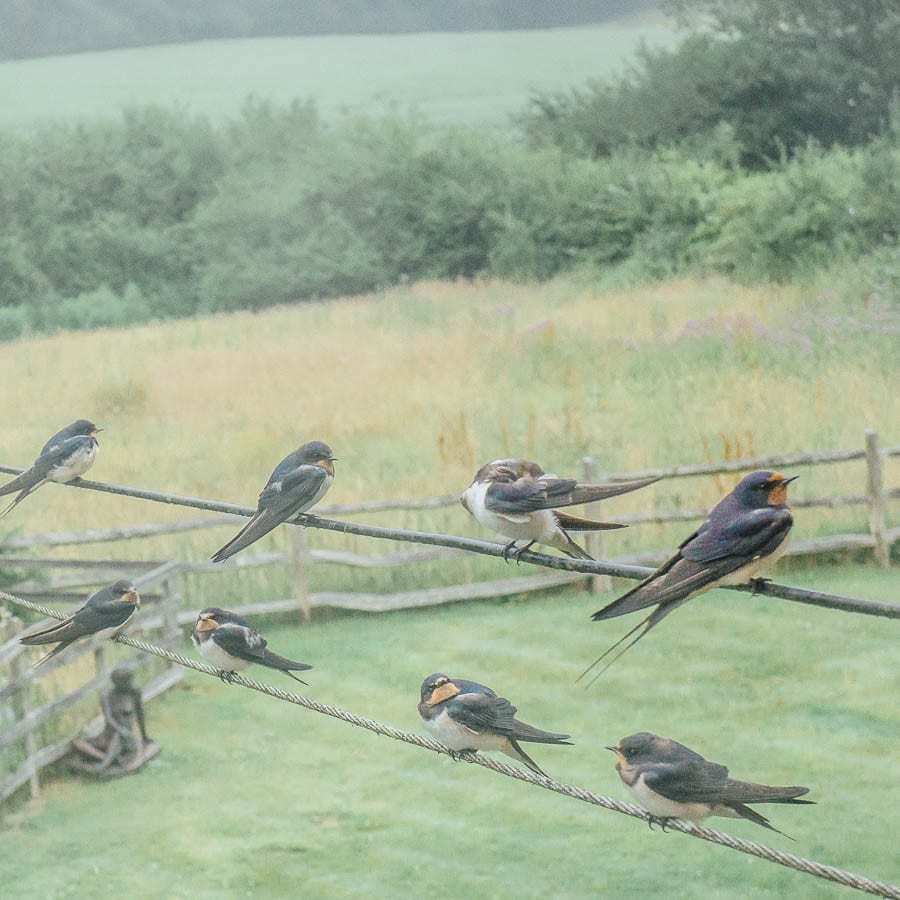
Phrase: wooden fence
(164, 613)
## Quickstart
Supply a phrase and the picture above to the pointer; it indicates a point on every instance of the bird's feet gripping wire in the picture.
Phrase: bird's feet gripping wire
(511, 550)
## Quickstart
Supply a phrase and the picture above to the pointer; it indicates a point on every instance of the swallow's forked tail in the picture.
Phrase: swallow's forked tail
(258, 526)
(569, 522)
(762, 793)
(28, 488)
(563, 542)
(516, 752)
(651, 621)
(283, 664)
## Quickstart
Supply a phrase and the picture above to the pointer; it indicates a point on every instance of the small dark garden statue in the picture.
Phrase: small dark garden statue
(116, 750)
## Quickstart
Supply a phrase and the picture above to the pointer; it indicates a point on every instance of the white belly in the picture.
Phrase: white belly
(74, 466)
(217, 657)
(323, 490)
(539, 525)
(453, 735)
(663, 808)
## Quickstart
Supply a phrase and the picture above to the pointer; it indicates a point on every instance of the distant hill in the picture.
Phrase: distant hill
(32, 28)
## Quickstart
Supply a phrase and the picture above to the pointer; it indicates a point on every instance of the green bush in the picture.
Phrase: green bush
(109, 225)
(774, 96)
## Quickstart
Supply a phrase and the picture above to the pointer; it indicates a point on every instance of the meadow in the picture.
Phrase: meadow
(253, 797)
(415, 388)
(478, 78)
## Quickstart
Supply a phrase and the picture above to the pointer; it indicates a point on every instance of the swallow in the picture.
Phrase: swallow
(465, 715)
(517, 499)
(744, 532)
(65, 457)
(299, 481)
(105, 613)
(671, 781)
(231, 643)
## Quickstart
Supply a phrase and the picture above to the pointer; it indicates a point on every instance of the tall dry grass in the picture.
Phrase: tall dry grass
(416, 387)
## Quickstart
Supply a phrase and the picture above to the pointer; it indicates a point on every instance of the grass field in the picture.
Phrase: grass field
(476, 78)
(414, 389)
(253, 797)
(418, 387)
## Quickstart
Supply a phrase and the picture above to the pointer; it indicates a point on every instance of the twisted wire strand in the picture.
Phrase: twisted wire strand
(587, 567)
(790, 860)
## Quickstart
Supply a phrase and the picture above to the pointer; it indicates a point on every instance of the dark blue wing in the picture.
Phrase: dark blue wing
(691, 782)
(241, 641)
(528, 495)
(753, 533)
(481, 712)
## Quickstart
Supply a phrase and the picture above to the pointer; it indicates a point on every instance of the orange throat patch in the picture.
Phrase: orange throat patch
(444, 692)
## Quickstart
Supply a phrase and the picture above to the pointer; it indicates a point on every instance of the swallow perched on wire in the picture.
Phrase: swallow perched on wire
(517, 499)
(299, 481)
(231, 643)
(65, 457)
(106, 613)
(745, 531)
(671, 781)
(465, 715)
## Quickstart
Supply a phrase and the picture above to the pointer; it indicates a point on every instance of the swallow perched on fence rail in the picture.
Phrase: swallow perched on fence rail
(671, 781)
(231, 643)
(106, 613)
(465, 715)
(744, 532)
(299, 481)
(516, 498)
(65, 457)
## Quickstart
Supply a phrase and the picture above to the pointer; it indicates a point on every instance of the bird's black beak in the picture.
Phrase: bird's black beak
(787, 481)
(614, 749)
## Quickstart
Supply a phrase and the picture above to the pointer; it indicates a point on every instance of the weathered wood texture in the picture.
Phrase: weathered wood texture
(28, 720)
(163, 614)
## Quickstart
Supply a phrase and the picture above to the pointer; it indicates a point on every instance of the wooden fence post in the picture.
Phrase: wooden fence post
(21, 703)
(597, 584)
(300, 562)
(876, 500)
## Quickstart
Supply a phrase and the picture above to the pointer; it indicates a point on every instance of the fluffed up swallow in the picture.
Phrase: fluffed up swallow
(465, 715)
(516, 498)
(745, 531)
(299, 481)
(671, 781)
(65, 457)
(105, 613)
(231, 643)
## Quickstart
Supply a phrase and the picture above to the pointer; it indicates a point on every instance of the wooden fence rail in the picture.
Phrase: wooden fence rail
(17, 695)
(163, 614)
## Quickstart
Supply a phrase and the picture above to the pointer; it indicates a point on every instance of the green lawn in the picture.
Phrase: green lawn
(254, 797)
(476, 78)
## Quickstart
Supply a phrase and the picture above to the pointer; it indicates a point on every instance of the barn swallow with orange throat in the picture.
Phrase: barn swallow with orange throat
(65, 457)
(231, 644)
(105, 613)
(671, 781)
(299, 481)
(516, 498)
(465, 715)
(744, 532)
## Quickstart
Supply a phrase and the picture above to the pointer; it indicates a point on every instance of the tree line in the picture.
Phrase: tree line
(160, 213)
